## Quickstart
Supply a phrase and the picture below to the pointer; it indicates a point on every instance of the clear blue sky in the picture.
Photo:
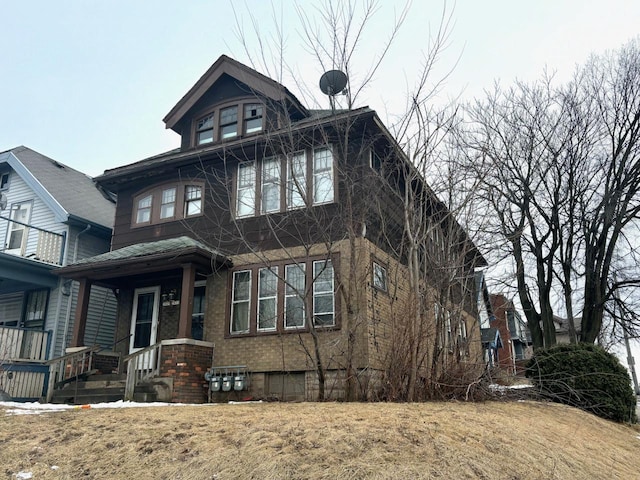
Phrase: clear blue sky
(88, 83)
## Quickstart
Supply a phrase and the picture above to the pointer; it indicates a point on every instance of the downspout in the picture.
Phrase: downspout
(70, 300)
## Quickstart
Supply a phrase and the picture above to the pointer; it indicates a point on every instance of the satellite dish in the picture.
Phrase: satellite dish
(3, 201)
(333, 82)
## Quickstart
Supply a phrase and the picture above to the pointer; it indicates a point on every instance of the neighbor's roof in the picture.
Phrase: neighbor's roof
(68, 192)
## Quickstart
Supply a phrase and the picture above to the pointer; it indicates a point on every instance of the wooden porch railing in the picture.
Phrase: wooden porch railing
(69, 367)
(47, 247)
(23, 344)
(141, 365)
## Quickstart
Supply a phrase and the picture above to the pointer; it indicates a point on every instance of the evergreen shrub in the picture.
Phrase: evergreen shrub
(584, 376)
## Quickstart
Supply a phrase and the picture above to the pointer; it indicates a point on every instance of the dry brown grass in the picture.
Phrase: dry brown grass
(493, 440)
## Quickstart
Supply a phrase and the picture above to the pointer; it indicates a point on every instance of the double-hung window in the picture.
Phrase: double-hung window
(246, 191)
(229, 122)
(168, 205)
(204, 130)
(261, 184)
(323, 294)
(168, 202)
(252, 118)
(241, 302)
(192, 200)
(322, 175)
(294, 296)
(283, 297)
(296, 180)
(144, 209)
(270, 185)
(267, 298)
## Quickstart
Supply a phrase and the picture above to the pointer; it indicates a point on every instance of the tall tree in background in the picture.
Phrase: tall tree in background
(560, 169)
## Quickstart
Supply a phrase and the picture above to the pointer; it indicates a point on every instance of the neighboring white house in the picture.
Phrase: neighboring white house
(50, 215)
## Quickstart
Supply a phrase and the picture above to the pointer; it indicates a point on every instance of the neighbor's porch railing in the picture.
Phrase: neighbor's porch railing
(24, 344)
(47, 246)
(141, 365)
(69, 367)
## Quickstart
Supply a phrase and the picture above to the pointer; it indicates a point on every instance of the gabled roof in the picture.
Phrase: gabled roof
(70, 194)
(258, 83)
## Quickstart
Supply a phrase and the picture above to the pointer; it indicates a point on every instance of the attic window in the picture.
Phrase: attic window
(252, 118)
(204, 130)
(4, 180)
(229, 122)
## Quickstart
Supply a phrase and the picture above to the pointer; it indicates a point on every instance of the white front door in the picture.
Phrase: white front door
(18, 233)
(144, 322)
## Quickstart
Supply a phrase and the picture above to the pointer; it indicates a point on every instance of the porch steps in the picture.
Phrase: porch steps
(100, 389)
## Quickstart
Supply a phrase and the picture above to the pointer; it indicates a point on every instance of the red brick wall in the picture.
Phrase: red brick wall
(186, 361)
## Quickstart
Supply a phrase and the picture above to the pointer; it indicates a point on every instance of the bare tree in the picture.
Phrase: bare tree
(561, 177)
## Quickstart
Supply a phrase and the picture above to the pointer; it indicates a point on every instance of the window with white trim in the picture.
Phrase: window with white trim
(4, 181)
(241, 301)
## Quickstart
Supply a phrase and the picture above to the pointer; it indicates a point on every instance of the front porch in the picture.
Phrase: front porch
(161, 296)
(168, 371)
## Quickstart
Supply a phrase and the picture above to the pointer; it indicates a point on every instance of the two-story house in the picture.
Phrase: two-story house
(50, 215)
(269, 245)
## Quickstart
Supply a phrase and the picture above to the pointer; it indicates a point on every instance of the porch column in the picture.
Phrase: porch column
(186, 300)
(82, 307)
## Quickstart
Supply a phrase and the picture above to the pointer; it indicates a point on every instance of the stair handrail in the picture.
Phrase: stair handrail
(80, 361)
(142, 364)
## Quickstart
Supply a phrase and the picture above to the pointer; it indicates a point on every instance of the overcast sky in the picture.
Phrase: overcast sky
(88, 83)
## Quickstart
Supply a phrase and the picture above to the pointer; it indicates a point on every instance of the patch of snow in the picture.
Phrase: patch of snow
(504, 388)
(35, 408)
(55, 467)
(24, 475)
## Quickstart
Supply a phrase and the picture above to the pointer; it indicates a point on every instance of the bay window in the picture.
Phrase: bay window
(168, 202)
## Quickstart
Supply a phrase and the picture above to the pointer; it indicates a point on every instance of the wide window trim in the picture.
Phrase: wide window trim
(282, 294)
(151, 206)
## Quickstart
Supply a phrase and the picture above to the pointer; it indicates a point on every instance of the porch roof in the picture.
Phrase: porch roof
(145, 258)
